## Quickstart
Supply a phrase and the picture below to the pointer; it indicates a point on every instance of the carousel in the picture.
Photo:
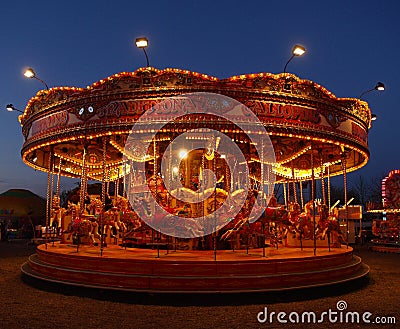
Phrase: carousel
(163, 220)
(386, 228)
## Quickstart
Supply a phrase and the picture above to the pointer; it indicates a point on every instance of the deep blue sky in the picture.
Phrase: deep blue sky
(350, 46)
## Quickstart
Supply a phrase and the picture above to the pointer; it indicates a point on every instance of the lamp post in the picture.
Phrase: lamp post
(30, 73)
(297, 50)
(379, 86)
(143, 43)
(11, 108)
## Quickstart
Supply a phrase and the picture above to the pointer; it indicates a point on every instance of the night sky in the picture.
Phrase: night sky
(351, 45)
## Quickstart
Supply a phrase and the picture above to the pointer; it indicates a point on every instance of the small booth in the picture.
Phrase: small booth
(350, 218)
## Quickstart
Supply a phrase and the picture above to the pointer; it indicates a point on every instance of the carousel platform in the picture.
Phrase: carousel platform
(385, 246)
(162, 271)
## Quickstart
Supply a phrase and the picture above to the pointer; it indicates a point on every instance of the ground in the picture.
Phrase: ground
(28, 303)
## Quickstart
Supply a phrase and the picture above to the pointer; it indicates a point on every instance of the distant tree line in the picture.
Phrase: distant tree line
(364, 191)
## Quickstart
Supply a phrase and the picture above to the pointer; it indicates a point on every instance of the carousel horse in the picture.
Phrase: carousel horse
(333, 228)
(237, 224)
(109, 229)
(122, 203)
(142, 207)
(274, 214)
(242, 235)
(293, 212)
(176, 224)
(57, 213)
(113, 225)
(277, 219)
(120, 227)
(79, 228)
(95, 206)
(240, 220)
(84, 228)
(94, 235)
(131, 220)
(71, 211)
(269, 215)
(322, 226)
(302, 223)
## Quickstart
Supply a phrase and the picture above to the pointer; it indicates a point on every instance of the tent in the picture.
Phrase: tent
(20, 210)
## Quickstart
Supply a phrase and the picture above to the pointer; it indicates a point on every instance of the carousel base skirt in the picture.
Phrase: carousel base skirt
(162, 271)
(386, 248)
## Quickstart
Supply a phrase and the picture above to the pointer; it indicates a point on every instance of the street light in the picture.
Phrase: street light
(143, 43)
(297, 50)
(11, 108)
(30, 73)
(379, 86)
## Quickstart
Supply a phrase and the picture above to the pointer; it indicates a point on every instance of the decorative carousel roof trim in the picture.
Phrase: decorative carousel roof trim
(287, 105)
(262, 83)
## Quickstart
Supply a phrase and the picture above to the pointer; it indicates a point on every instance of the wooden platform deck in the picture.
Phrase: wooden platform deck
(141, 270)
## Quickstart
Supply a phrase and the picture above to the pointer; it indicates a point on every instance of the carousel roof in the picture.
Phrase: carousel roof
(300, 116)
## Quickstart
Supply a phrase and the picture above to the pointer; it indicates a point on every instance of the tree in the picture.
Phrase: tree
(375, 195)
(337, 193)
(368, 190)
(362, 190)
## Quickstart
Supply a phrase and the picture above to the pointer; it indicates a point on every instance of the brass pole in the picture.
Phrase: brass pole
(322, 173)
(48, 195)
(103, 194)
(284, 193)
(301, 195)
(83, 181)
(344, 164)
(294, 185)
(313, 199)
(329, 187)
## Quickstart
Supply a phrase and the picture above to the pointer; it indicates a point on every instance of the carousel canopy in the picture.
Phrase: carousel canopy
(301, 117)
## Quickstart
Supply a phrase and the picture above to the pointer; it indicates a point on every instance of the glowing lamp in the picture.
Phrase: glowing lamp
(297, 50)
(379, 86)
(11, 108)
(142, 42)
(29, 73)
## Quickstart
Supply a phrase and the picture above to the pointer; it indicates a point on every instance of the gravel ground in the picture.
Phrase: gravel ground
(28, 303)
